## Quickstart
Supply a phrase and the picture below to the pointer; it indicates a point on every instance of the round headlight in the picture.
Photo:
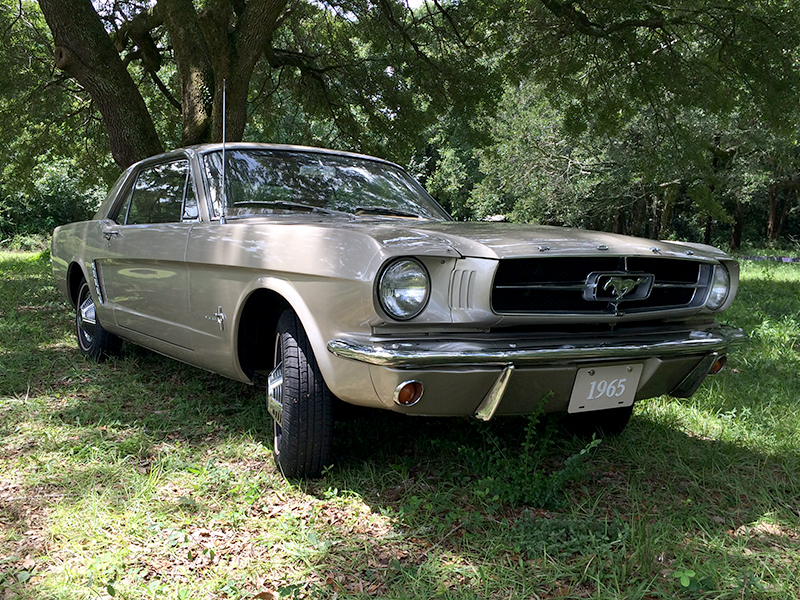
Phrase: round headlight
(403, 289)
(720, 286)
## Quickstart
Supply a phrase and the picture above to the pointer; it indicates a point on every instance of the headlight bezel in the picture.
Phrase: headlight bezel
(388, 284)
(719, 289)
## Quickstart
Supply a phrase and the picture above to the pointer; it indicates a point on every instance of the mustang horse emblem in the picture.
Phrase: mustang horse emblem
(622, 286)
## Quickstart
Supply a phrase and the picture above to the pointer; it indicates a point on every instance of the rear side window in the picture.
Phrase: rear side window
(162, 194)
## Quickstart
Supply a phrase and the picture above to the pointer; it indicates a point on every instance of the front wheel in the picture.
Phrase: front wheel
(93, 340)
(300, 403)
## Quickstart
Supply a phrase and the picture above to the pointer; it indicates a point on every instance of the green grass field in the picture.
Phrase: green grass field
(144, 478)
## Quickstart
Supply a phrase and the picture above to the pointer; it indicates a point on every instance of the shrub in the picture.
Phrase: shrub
(52, 201)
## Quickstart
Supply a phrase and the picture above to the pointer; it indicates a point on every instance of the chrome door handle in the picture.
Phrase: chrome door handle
(108, 234)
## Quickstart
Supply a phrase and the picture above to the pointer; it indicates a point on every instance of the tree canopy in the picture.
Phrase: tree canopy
(354, 67)
(655, 119)
(383, 66)
(626, 116)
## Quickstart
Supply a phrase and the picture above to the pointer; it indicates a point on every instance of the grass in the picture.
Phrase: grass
(142, 478)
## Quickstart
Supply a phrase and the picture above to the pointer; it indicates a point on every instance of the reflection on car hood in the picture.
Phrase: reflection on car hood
(507, 240)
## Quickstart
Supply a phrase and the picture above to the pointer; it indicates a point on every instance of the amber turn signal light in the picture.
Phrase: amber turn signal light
(408, 393)
(719, 364)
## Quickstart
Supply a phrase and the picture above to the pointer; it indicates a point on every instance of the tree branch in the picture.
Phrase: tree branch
(16, 19)
(446, 14)
(279, 58)
(85, 51)
(387, 11)
(581, 22)
(138, 30)
(165, 90)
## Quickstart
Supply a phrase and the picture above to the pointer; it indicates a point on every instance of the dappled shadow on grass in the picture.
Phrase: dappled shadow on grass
(120, 409)
(84, 432)
(37, 369)
(162, 395)
(663, 493)
(667, 494)
(717, 484)
(27, 284)
(120, 412)
(419, 478)
(34, 324)
(667, 464)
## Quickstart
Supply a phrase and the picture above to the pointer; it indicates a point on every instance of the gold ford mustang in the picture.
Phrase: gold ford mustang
(338, 277)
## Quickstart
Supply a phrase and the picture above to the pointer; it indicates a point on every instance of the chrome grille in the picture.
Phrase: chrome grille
(564, 285)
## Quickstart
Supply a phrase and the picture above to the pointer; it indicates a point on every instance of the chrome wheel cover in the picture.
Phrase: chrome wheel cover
(275, 393)
(86, 320)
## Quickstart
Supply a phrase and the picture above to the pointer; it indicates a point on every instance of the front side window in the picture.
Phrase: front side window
(162, 194)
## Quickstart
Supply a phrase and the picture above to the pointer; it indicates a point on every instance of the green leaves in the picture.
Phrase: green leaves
(685, 577)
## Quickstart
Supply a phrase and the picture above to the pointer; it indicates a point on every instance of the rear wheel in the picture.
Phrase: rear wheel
(93, 340)
(300, 403)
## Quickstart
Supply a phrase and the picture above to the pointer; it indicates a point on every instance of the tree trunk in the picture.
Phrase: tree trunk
(773, 212)
(235, 56)
(217, 47)
(195, 70)
(655, 220)
(783, 215)
(738, 226)
(619, 222)
(778, 211)
(666, 214)
(638, 224)
(217, 50)
(84, 50)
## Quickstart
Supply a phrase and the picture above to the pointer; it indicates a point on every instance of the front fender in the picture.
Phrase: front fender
(327, 309)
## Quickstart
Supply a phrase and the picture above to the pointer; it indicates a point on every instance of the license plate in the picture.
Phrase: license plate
(599, 388)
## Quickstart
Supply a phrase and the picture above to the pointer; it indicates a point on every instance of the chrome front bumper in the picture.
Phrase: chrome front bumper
(525, 351)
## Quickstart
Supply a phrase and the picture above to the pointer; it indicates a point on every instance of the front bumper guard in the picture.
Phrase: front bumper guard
(521, 353)
(422, 354)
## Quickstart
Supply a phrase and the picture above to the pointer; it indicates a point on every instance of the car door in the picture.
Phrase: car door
(145, 274)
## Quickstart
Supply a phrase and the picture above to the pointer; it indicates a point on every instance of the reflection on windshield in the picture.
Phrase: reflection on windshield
(259, 182)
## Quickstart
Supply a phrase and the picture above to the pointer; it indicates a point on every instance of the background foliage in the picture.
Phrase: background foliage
(675, 120)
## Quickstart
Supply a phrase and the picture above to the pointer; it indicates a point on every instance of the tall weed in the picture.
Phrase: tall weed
(527, 474)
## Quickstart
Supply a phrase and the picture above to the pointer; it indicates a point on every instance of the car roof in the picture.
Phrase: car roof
(205, 148)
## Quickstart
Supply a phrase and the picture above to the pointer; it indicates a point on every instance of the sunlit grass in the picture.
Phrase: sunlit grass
(149, 479)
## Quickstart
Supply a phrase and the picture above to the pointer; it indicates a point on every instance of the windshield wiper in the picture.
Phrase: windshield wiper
(382, 210)
(285, 205)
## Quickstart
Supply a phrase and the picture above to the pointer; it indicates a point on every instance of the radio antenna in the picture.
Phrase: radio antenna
(224, 118)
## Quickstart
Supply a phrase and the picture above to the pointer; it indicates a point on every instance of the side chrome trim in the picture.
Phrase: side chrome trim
(409, 354)
(97, 287)
(491, 401)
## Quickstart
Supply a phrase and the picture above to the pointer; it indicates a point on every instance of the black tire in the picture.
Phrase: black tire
(602, 423)
(303, 427)
(93, 340)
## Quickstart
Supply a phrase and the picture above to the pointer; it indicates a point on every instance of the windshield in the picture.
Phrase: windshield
(259, 182)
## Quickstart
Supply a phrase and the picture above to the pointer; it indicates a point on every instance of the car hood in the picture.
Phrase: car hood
(508, 240)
